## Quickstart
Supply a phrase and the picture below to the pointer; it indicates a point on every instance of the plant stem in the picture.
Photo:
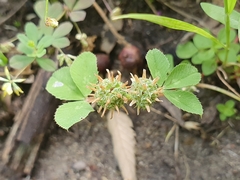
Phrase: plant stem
(120, 38)
(77, 27)
(215, 88)
(46, 10)
(227, 29)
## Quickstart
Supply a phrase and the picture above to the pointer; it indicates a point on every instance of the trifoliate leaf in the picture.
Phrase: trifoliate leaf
(158, 65)
(72, 112)
(184, 100)
(181, 76)
(62, 86)
(83, 71)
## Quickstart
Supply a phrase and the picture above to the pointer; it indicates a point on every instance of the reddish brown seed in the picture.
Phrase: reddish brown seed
(103, 62)
(131, 58)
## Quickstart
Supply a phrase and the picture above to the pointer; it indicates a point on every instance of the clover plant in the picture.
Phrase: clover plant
(74, 9)
(226, 110)
(202, 51)
(80, 85)
(33, 45)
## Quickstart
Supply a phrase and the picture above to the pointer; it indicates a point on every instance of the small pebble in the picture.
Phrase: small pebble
(79, 166)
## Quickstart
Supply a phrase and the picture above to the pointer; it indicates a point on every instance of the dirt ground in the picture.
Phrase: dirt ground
(86, 151)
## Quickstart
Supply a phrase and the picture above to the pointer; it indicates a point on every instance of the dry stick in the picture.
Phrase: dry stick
(169, 134)
(120, 39)
(225, 82)
(186, 165)
(176, 146)
(151, 7)
(216, 140)
(168, 117)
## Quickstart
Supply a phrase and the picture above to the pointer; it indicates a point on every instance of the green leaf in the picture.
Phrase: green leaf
(169, 23)
(77, 16)
(209, 67)
(222, 117)
(218, 13)
(32, 31)
(83, 4)
(23, 39)
(61, 42)
(231, 5)
(45, 42)
(62, 30)
(187, 50)
(83, 71)
(184, 100)
(69, 3)
(227, 109)
(24, 49)
(202, 42)
(203, 55)
(220, 107)
(3, 59)
(222, 35)
(170, 60)
(39, 8)
(196, 59)
(62, 86)
(181, 76)
(238, 28)
(158, 65)
(20, 61)
(46, 64)
(232, 56)
(55, 10)
(230, 103)
(40, 53)
(70, 113)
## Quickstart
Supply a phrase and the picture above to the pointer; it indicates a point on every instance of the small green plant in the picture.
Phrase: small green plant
(75, 84)
(226, 110)
(33, 45)
(72, 10)
(213, 53)
(202, 51)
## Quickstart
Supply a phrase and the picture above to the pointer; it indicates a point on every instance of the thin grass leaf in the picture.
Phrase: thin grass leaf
(169, 23)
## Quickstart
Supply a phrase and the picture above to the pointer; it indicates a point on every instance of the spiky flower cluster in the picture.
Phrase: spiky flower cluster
(111, 93)
(144, 92)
